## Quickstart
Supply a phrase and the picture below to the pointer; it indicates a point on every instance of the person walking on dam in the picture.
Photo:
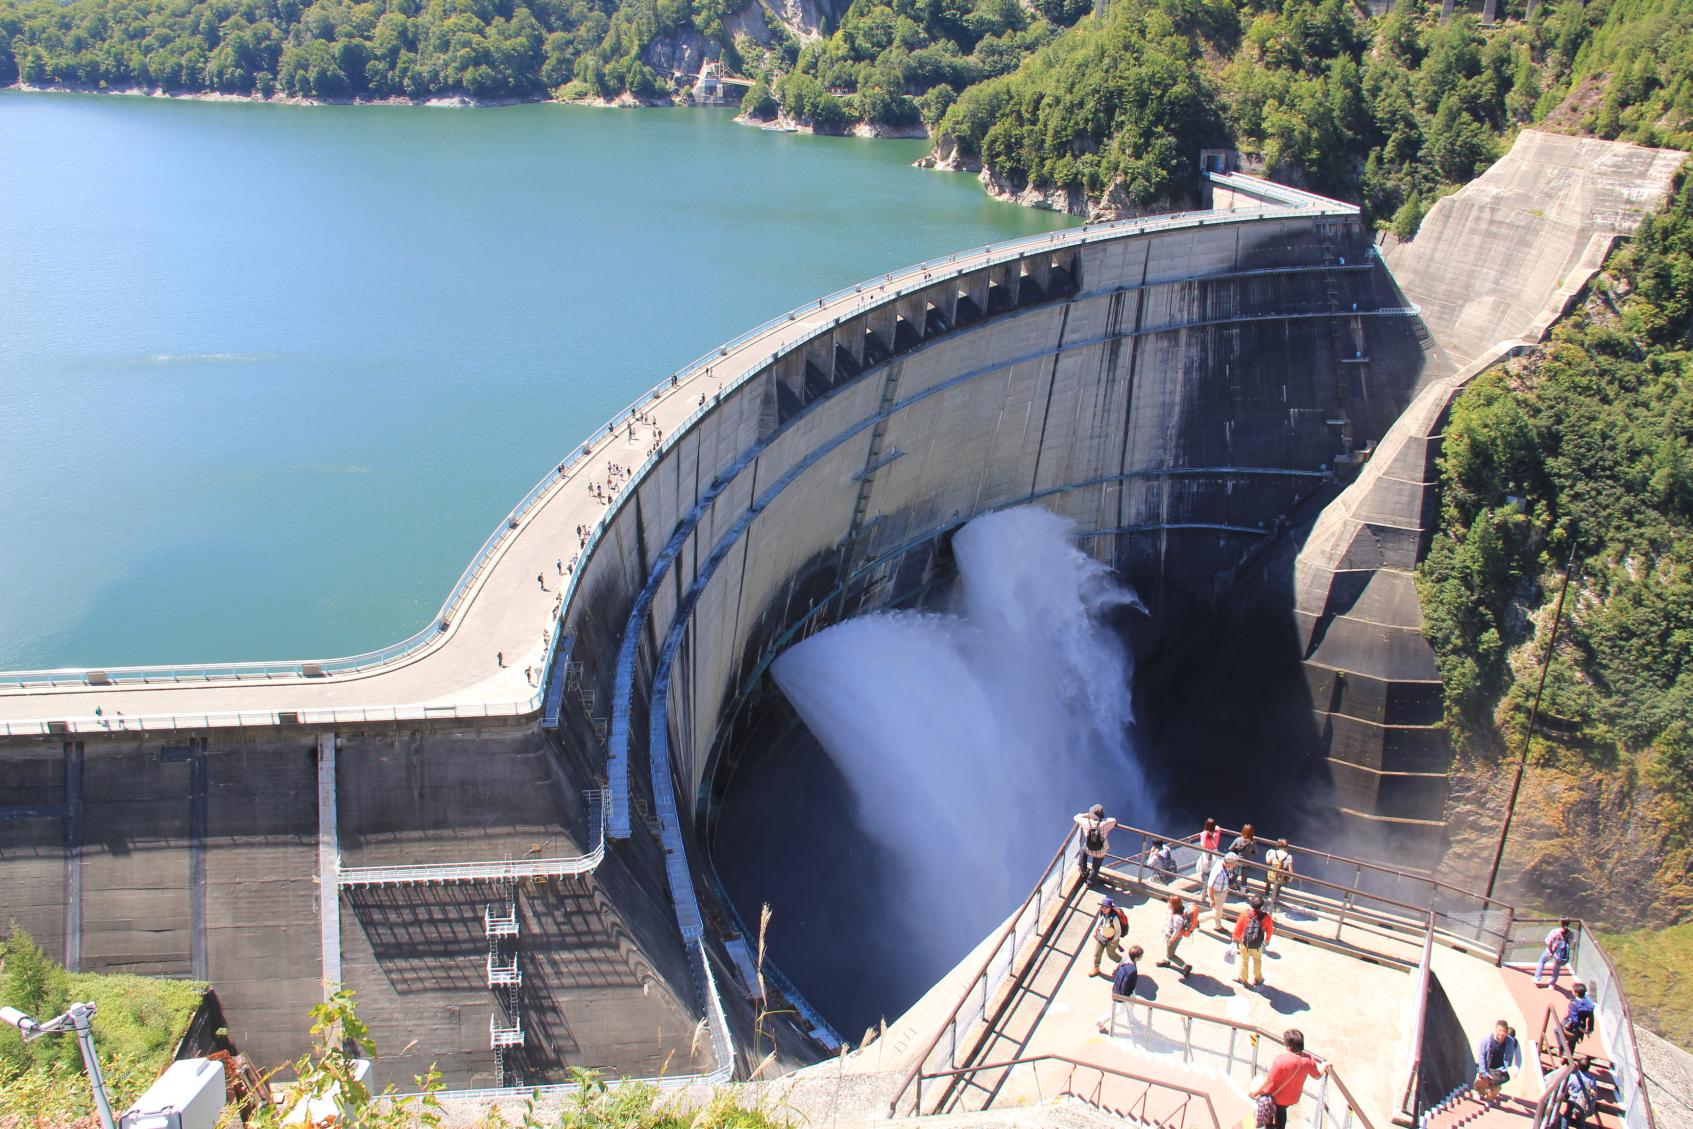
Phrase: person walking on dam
(1110, 926)
(1217, 889)
(1578, 1020)
(1556, 953)
(1284, 1083)
(1580, 1099)
(1178, 927)
(1496, 1056)
(1094, 834)
(1252, 931)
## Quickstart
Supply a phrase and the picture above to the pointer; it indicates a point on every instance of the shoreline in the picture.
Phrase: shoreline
(1049, 200)
(439, 101)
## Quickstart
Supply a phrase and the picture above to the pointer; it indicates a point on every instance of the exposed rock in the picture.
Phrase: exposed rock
(1601, 844)
(682, 53)
(946, 157)
(876, 129)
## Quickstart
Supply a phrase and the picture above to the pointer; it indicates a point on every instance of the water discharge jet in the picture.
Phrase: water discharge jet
(964, 737)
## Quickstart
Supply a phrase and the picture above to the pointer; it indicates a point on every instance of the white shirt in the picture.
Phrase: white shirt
(1086, 822)
(1219, 876)
(1278, 859)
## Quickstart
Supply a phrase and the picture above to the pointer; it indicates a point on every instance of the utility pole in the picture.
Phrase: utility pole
(1533, 716)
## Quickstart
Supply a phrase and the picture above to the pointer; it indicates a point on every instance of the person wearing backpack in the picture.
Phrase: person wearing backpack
(1280, 862)
(1581, 1095)
(1252, 931)
(1110, 926)
(1496, 1055)
(1180, 925)
(1094, 833)
(1161, 861)
(1556, 953)
(1578, 1021)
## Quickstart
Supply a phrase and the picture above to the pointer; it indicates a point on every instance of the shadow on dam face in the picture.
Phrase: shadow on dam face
(1223, 727)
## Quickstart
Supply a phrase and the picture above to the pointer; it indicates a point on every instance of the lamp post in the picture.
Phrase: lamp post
(76, 1020)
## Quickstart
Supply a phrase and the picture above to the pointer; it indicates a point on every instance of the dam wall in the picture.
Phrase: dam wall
(1188, 390)
(1179, 391)
(201, 856)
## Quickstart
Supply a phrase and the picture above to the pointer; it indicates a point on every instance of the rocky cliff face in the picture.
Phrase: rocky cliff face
(1113, 205)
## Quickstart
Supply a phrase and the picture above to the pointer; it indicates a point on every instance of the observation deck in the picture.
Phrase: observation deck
(1392, 976)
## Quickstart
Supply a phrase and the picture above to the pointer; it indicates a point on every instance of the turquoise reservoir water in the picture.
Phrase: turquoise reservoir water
(269, 374)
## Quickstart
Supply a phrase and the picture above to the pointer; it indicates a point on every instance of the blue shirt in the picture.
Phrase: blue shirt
(1580, 1016)
(1495, 1055)
(1124, 980)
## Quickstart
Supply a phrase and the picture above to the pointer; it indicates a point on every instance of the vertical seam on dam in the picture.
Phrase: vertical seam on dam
(328, 862)
(1046, 409)
(73, 856)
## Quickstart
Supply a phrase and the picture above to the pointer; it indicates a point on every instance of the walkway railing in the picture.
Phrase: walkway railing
(863, 295)
(1233, 1050)
(1593, 967)
(1016, 942)
(508, 870)
(1349, 890)
(1054, 1077)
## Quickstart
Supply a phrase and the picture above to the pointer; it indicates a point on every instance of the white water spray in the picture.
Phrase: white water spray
(968, 740)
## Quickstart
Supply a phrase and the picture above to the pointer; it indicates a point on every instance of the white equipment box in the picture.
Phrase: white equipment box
(190, 1095)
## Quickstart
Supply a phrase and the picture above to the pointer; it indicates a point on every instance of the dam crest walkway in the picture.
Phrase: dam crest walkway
(489, 651)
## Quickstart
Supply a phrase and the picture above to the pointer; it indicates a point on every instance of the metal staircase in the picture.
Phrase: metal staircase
(505, 980)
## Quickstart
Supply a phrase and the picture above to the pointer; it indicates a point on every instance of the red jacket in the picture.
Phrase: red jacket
(1245, 916)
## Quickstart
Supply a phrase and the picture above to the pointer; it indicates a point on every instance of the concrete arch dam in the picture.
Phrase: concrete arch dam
(1190, 391)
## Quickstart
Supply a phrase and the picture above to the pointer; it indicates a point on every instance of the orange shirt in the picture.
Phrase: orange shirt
(1286, 1082)
(1245, 916)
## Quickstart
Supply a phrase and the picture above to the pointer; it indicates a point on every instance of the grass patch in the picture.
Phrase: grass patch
(138, 1022)
(1652, 963)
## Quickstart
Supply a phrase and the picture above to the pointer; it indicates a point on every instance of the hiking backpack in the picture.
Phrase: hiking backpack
(1253, 937)
(1581, 1096)
(1095, 840)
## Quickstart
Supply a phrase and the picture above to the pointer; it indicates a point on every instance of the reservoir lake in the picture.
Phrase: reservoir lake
(269, 374)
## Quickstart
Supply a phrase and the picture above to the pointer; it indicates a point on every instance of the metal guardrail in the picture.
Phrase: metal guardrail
(979, 994)
(869, 293)
(509, 870)
(1144, 1116)
(1462, 917)
(1233, 1050)
(1590, 964)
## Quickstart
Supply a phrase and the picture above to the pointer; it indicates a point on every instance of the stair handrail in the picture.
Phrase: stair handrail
(1075, 1064)
(1251, 1030)
(1006, 935)
(1611, 1004)
(1411, 1103)
(1546, 1106)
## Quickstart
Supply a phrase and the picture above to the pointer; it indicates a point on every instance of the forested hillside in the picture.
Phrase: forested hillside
(1045, 94)
(1586, 445)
